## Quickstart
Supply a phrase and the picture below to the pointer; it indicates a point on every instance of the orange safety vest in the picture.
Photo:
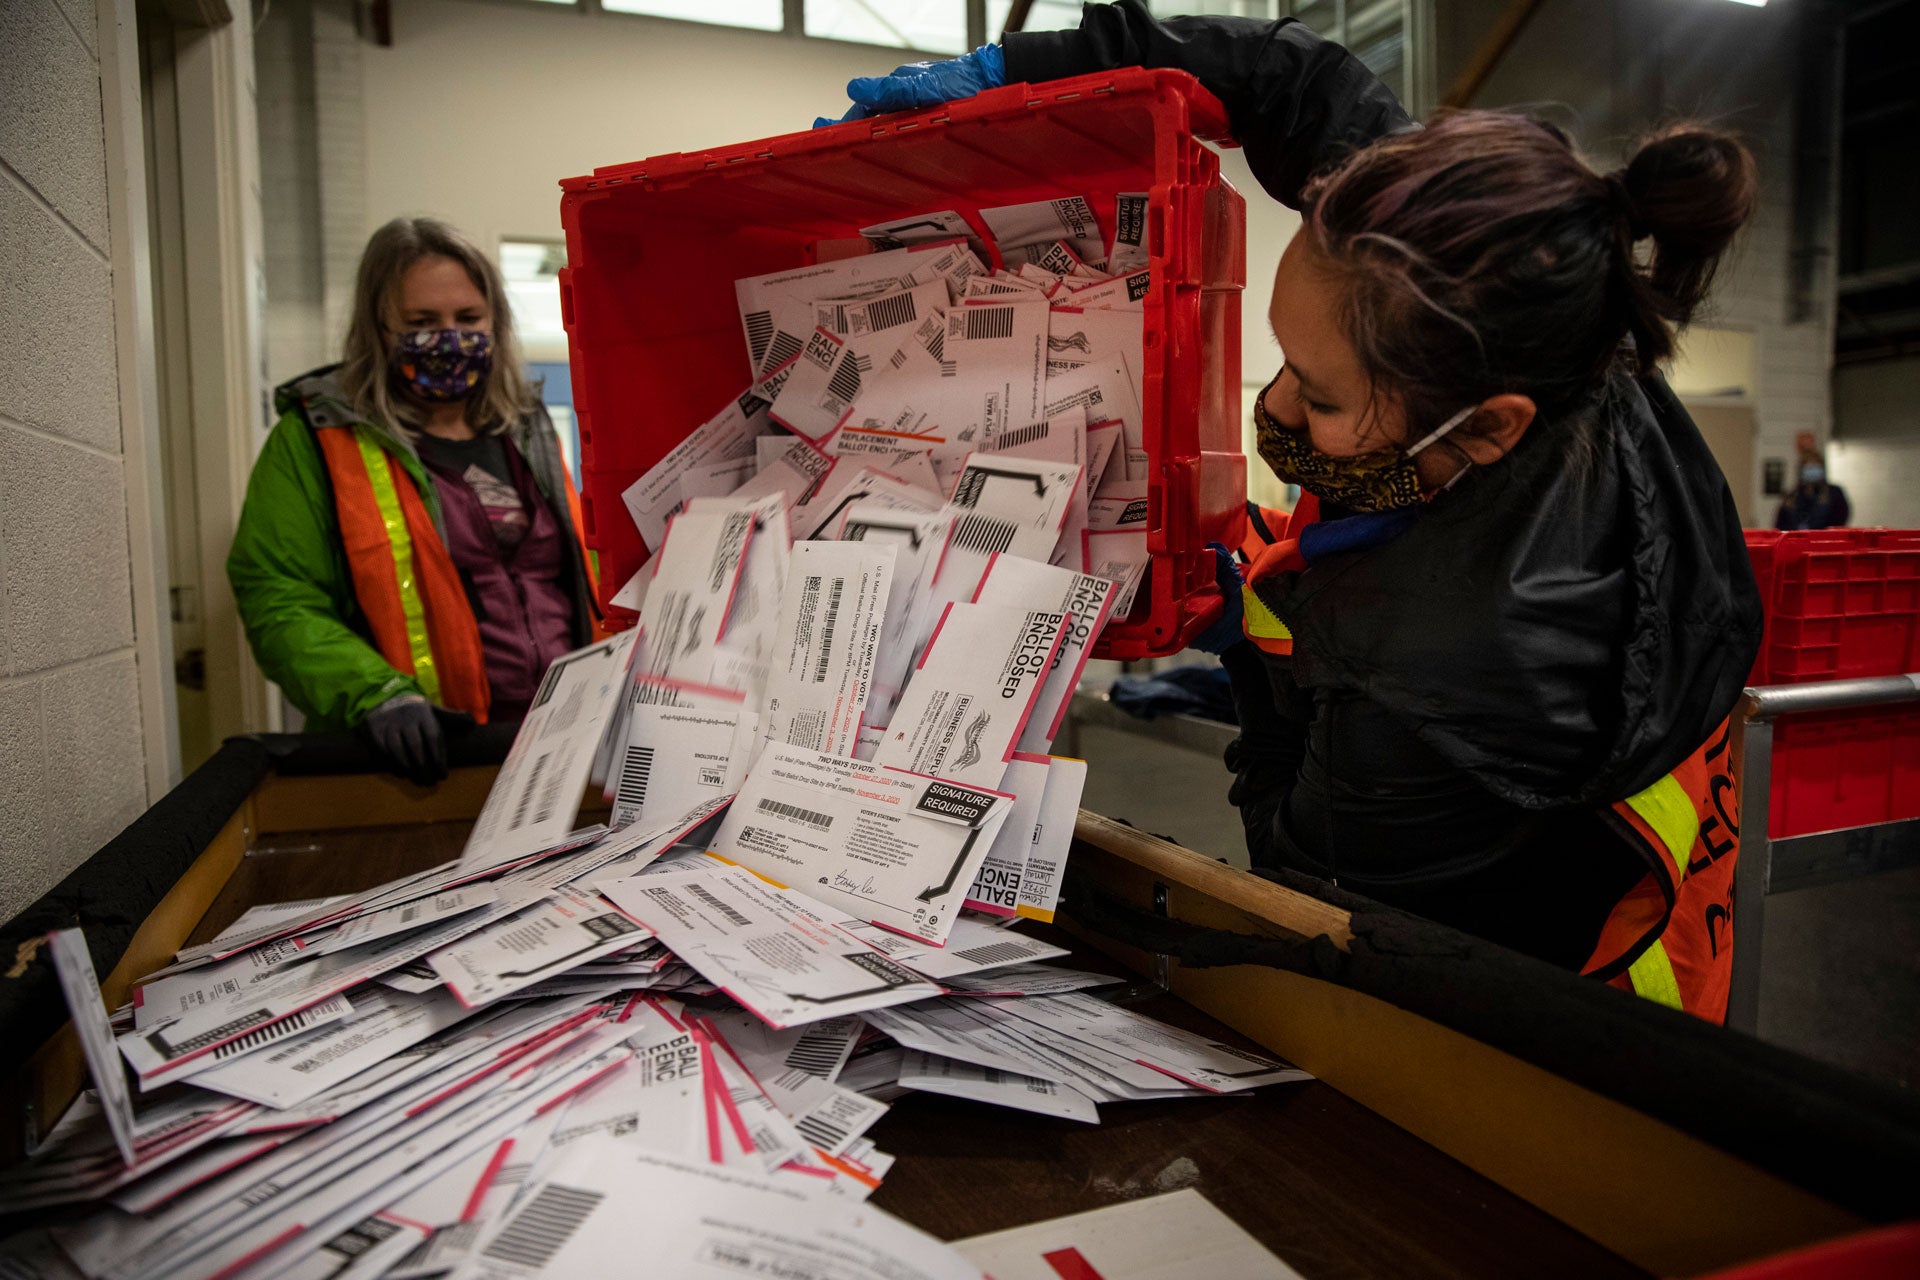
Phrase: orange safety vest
(1670, 939)
(1272, 545)
(407, 586)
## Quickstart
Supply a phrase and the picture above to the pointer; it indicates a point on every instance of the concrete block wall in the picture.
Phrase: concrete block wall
(72, 764)
(1610, 73)
(1875, 454)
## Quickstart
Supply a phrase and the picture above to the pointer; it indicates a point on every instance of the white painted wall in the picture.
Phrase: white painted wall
(475, 114)
(479, 109)
(535, 96)
(73, 768)
(1875, 451)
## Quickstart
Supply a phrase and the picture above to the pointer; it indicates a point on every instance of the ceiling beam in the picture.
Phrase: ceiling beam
(1493, 47)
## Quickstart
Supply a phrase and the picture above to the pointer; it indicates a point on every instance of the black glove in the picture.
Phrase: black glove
(406, 734)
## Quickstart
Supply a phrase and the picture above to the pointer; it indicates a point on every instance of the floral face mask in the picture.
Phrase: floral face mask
(442, 365)
(1380, 480)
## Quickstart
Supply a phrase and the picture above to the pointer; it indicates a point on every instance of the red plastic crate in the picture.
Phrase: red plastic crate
(1840, 604)
(654, 248)
(1844, 769)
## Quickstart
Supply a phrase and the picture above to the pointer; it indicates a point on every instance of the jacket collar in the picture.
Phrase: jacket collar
(319, 398)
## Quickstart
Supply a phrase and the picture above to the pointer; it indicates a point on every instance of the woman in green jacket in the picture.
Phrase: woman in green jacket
(408, 548)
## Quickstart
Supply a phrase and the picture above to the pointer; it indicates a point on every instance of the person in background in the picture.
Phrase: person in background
(1813, 503)
(1484, 671)
(408, 557)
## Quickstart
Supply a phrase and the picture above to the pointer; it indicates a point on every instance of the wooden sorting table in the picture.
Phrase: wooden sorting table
(1315, 1171)
(1330, 1186)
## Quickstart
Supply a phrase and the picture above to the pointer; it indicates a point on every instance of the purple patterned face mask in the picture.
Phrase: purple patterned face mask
(442, 364)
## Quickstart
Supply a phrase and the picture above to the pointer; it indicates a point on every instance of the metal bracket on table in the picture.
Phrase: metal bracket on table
(1162, 962)
(1769, 866)
(266, 850)
(1162, 983)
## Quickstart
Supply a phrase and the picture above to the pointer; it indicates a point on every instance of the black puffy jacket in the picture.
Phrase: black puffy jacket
(1554, 634)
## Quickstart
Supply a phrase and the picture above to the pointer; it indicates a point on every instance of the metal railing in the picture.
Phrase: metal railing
(1769, 866)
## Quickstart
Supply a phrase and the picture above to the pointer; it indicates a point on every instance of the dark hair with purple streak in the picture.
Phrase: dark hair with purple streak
(1482, 256)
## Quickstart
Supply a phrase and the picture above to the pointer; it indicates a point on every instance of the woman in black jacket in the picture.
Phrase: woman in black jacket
(1526, 597)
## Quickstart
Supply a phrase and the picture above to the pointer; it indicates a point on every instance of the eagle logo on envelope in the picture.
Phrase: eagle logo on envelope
(970, 750)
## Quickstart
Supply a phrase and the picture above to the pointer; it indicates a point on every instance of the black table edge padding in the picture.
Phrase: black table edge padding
(110, 893)
(1839, 1135)
(310, 754)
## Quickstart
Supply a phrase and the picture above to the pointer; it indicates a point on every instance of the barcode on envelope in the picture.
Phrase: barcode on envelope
(759, 330)
(526, 797)
(983, 533)
(989, 322)
(845, 383)
(360, 1237)
(733, 917)
(542, 1229)
(635, 772)
(290, 1025)
(549, 797)
(885, 313)
(1019, 436)
(811, 817)
(818, 1050)
(996, 953)
(821, 1131)
(784, 347)
(826, 631)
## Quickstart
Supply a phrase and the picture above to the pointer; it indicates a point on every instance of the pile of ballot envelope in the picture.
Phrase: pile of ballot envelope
(911, 395)
(656, 1046)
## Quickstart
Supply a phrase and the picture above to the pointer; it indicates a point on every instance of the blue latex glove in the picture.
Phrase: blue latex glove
(1225, 631)
(924, 84)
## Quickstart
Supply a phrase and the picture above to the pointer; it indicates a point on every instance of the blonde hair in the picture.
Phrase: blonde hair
(506, 395)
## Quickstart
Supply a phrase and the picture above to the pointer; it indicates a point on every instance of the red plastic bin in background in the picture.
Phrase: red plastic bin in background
(1840, 604)
(1884, 1253)
(1844, 769)
(654, 248)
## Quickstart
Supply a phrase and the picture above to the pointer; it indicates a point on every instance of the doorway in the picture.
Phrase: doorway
(197, 114)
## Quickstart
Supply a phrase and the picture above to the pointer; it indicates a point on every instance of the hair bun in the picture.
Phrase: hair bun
(1689, 188)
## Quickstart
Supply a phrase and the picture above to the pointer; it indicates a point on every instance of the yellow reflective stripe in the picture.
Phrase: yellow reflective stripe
(380, 475)
(1258, 621)
(1652, 977)
(1665, 807)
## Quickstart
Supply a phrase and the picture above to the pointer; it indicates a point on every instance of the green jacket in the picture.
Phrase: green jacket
(289, 570)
